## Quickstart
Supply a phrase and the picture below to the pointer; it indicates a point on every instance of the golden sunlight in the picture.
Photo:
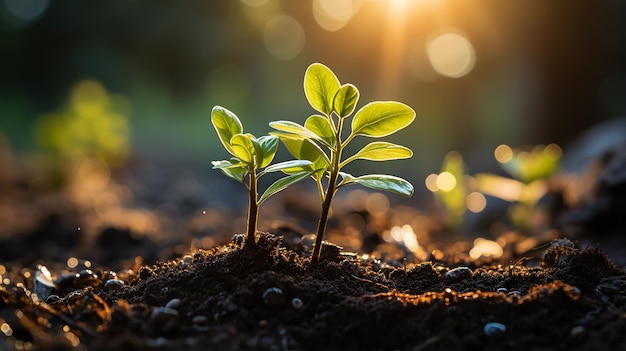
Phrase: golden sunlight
(451, 54)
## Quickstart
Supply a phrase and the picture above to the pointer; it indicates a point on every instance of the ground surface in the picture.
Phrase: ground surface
(88, 264)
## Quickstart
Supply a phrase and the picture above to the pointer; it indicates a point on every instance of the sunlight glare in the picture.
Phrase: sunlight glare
(284, 37)
(451, 54)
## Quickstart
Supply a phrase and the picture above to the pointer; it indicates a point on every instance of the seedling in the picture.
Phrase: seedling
(336, 103)
(251, 160)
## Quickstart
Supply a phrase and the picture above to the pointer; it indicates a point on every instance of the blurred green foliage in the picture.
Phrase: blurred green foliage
(94, 124)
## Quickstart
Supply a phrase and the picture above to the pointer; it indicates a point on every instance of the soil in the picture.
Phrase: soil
(116, 274)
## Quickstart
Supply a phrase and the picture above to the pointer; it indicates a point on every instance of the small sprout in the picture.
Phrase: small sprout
(494, 329)
(251, 160)
(335, 103)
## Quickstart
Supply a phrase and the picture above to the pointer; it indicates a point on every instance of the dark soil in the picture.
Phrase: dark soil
(79, 277)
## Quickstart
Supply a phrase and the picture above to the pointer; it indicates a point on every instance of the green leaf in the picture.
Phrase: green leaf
(380, 151)
(243, 148)
(307, 150)
(294, 164)
(294, 128)
(234, 162)
(232, 169)
(269, 145)
(320, 87)
(345, 100)
(283, 183)
(322, 127)
(380, 182)
(380, 118)
(226, 125)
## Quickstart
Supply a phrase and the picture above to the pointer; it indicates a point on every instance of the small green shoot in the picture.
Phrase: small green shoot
(335, 103)
(251, 160)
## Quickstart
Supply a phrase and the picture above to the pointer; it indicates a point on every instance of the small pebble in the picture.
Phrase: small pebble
(238, 239)
(165, 319)
(297, 303)
(577, 330)
(113, 284)
(514, 293)
(200, 320)
(163, 311)
(187, 260)
(273, 297)
(494, 329)
(459, 273)
(173, 304)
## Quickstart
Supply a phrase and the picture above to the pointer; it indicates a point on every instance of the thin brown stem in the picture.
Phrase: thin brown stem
(253, 210)
(330, 192)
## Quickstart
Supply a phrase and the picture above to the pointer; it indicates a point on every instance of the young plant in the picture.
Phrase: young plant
(251, 160)
(335, 103)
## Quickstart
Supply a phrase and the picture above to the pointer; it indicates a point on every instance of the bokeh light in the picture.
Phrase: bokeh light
(485, 248)
(26, 11)
(451, 54)
(284, 37)
(503, 153)
(476, 202)
(333, 15)
(446, 181)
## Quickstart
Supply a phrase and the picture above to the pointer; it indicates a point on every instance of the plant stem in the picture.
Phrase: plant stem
(330, 192)
(253, 210)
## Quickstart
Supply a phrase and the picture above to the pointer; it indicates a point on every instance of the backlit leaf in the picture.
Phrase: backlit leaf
(243, 148)
(380, 182)
(234, 170)
(345, 100)
(380, 118)
(293, 164)
(306, 150)
(320, 87)
(269, 145)
(294, 128)
(226, 125)
(321, 126)
(283, 183)
(380, 151)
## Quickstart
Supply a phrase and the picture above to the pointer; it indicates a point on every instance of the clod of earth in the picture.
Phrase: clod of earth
(272, 299)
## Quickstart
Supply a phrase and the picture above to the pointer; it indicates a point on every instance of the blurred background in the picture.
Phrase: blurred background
(105, 116)
(140, 77)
